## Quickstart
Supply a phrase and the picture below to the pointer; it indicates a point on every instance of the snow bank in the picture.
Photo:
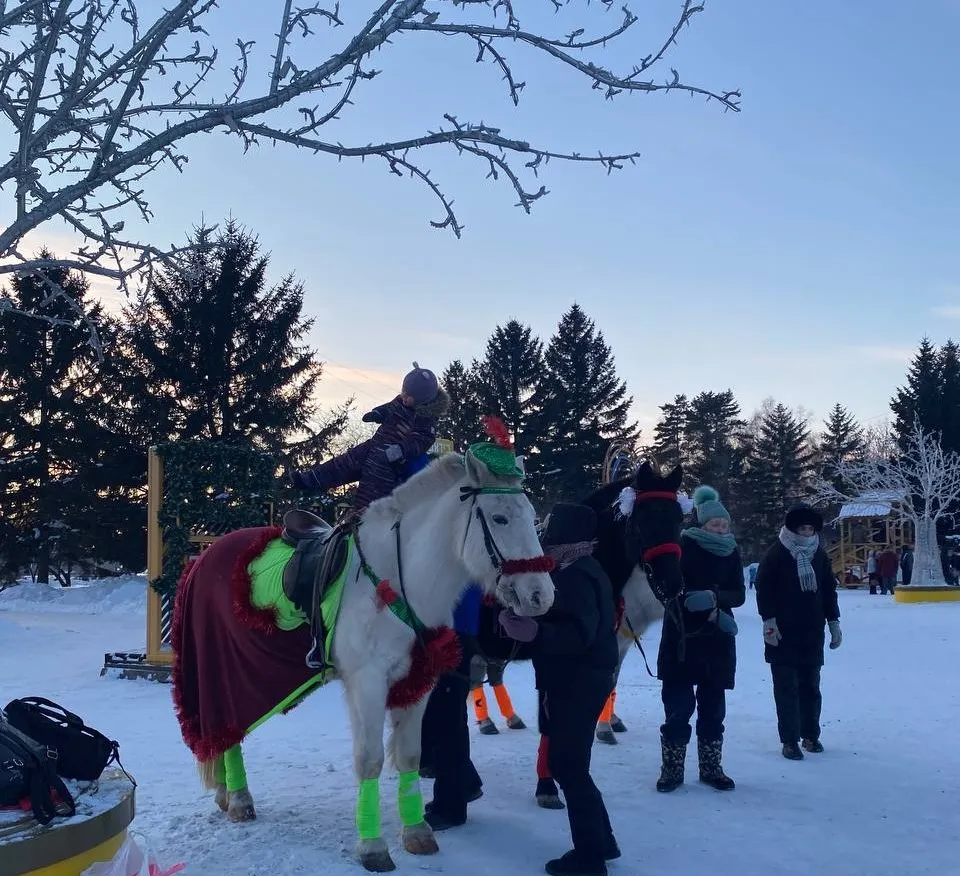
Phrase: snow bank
(126, 594)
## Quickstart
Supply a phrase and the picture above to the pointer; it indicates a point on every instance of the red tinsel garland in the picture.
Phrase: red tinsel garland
(442, 654)
(522, 566)
(263, 620)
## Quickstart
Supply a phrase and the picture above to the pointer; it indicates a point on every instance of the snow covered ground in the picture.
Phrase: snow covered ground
(882, 800)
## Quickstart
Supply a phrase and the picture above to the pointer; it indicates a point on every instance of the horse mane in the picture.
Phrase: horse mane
(431, 482)
(603, 499)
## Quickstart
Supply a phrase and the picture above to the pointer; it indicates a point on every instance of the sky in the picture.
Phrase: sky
(798, 249)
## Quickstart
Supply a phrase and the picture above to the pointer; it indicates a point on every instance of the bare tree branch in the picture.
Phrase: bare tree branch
(97, 99)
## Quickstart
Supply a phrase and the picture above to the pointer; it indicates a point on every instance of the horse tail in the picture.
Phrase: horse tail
(207, 771)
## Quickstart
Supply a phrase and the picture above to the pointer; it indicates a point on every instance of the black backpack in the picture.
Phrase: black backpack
(28, 770)
(82, 753)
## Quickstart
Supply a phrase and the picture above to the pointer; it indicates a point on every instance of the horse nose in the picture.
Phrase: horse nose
(535, 599)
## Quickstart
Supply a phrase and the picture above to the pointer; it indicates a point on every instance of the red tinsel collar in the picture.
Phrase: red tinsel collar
(662, 550)
(657, 494)
(529, 565)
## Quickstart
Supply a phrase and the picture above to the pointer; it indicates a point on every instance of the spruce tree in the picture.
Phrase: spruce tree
(921, 398)
(780, 469)
(461, 423)
(507, 379)
(842, 441)
(949, 367)
(670, 435)
(713, 437)
(60, 480)
(219, 354)
(582, 407)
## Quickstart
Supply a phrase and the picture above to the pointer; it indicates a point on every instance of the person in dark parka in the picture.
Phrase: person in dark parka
(796, 598)
(697, 663)
(574, 651)
(445, 732)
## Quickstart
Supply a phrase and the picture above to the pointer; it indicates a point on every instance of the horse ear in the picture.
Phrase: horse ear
(476, 471)
(644, 473)
(674, 479)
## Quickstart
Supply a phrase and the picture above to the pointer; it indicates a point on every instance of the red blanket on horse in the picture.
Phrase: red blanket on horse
(232, 665)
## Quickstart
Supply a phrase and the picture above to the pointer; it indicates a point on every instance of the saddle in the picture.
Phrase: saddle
(319, 557)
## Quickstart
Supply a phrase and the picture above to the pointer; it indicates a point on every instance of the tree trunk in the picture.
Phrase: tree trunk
(927, 568)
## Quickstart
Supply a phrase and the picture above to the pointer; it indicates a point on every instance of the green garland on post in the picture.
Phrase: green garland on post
(209, 488)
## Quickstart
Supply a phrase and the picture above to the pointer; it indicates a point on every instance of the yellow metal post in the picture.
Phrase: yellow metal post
(154, 555)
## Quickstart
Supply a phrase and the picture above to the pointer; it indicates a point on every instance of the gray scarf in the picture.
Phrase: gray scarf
(803, 549)
(566, 554)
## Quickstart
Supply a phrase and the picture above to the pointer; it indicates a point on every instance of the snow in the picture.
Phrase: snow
(880, 802)
(125, 594)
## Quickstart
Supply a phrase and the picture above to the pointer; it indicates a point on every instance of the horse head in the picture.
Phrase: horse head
(500, 547)
(654, 518)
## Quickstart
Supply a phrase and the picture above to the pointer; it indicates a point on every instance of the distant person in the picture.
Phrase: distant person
(906, 565)
(872, 571)
(796, 598)
(887, 564)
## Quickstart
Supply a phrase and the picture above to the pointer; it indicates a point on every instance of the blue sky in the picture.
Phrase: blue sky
(798, 249)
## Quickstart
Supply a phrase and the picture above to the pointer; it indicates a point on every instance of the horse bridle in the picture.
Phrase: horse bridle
(500, 563)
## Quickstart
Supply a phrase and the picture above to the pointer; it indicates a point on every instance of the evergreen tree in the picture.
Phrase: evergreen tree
(713, 436)
(582, 407)
(670, 436)
(949, 365)
(461, 423)
(921, 398)
(780, 469)
(507, 379)
(842, 441)
(62, 460)
(218, 354)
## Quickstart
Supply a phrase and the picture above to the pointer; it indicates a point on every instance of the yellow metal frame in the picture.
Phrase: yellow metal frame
(847, 552)
(74, 866)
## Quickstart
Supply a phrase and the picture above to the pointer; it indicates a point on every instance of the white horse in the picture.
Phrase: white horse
(455, 521)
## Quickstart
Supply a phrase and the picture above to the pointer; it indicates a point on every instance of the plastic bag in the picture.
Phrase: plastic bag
(133, 859)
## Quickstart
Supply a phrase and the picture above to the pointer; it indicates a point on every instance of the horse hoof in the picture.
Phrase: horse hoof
(377, 862)
(420, 840)
(606, 737)
(617, 726)
(550, 801)
(515, 722)
(488, 728)
(222, 798)
(241, 806)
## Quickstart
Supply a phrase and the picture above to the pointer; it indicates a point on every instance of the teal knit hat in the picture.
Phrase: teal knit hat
(707, 504)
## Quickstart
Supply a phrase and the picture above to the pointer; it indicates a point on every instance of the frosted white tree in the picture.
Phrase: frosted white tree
(96, 95)
(920, 483)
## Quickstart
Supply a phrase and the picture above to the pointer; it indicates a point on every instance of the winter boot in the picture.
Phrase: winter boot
(791, 751)
(671, 770)
(488, 728)
(571, 864)
(548, 796)
(711, 771)
(813, 746)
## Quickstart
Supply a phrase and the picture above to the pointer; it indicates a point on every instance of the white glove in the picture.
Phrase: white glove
(393, 452)
(771, 632)
(836, 636)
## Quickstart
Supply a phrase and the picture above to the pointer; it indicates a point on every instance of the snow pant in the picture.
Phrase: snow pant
(571, 711)
(796, 692)
(681, 699)
(887, 585)
(446, 743)
(873, 584)
(366, 465)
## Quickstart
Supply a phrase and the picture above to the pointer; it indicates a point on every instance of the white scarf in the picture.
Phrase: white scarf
(802, 548)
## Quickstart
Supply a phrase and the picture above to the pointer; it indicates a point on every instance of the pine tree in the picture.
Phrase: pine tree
(670, 436)
(949, 367)
(921, 398)
(507, 380)
(842, 441)
(59, 478)
(780, 468)
(582, 407)
(218, 354)
(461, 423)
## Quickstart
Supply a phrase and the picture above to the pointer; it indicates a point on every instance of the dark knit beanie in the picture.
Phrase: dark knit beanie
(803, 515)
(421, 385)
(569, 524)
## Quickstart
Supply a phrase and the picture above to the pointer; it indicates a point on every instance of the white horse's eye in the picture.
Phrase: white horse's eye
(500, 519)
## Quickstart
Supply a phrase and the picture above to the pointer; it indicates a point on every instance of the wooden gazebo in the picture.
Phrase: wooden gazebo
(868, 524)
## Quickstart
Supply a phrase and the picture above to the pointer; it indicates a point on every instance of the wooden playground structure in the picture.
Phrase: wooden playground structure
(868, 524)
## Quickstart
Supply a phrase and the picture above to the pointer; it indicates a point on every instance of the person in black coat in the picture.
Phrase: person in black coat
(698, 656)
(575, 652)
(796, 598)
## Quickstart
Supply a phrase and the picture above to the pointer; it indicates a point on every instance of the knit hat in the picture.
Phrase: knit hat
(803, 515)
(707, 505)
(569, 524)
(421, 385)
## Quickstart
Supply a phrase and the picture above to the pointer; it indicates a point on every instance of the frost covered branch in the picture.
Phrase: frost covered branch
(98, 94)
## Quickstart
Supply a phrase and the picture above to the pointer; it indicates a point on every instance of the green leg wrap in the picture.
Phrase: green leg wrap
(410, 799)
(368, 809)
(219, 771)
(236, 775)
